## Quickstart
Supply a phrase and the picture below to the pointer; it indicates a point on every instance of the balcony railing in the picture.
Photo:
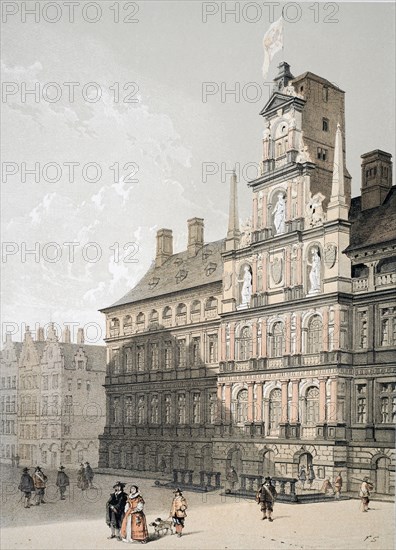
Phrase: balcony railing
(385, 279)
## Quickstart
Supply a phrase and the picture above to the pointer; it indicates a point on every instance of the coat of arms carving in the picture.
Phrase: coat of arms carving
(330, 255)
(277, 270)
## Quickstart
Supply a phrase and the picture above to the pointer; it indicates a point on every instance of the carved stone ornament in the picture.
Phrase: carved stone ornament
(246, 236)
(227, 280)
(277, 270)
(330, 255)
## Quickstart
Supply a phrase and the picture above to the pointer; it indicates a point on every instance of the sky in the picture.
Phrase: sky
(140, 110)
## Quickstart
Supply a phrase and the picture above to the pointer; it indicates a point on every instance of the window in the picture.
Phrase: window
(88, 385)
(212, 407)
(241, 406)
(79, 384)
(277, 340)
(44, 430)
(387, 403)
(80, 365)
(181, 309)
(181, 408)
(66, 429)
(55, 381)
(315, 335)
(128, 410)
(212, 348)
(44, 457)
(116, 361)
(140, 358)
(167, 313)
(68, 457)
(154, 356)
(45, 382)
(9, 382)
(361, 403)
(211, 303)
(244, 344)
(388, 326)
(68, 404)
(275, 410)
(114, 327)
(196, 408)
(44, 411)
(325, 94)
(168, 409)
(154, 410)
(127, 324)
(362, 329)
(140, 319)
(141, 410)
(312, 406)
(14, 382)
(325, 124)
(69, 384)
(181, 353)
(196, 307)
(128, 360)
(168, 355)
(196, 345)
(116, 411)
(154, 316)
(322, 153)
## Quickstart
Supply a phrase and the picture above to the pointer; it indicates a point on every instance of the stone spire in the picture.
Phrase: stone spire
(337, 208)
(233, 232)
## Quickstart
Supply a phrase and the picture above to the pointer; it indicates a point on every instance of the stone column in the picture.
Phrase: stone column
(370, 401)
(264, 261)
(333, 400)
(325, 329)
(287, 267)
(284, 386)
(254, 212)
(288, 202)
(288, 334)
(294, 408)
(254, 278)
(250, 402)
(322, 400)
(221, 340)
(232, 341)
(264, 338)
(299, 266)
(219, 402)
(298, 333)
(300, 200)
(227, 402)
(264, 209)
(266, 415)
(337, 327)
(254, 339)
(259, 403)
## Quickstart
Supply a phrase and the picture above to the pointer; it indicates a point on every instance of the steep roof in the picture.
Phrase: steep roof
(179, 272)
(96, 355)
(373, 226)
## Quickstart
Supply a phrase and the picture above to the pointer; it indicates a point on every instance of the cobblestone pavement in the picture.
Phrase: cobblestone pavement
(213, 522)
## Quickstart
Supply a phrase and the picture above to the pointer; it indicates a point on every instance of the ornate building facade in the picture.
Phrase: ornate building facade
(274, 348)
(61, 402)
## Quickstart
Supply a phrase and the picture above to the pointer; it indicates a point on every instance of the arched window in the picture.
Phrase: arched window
(315, 335)
(211, 303)
(196, 307)
(154, 410)
(275, 406)
(115, 327)
(167, 312)
(312, 406)
(181, 309)
(277, 340)
(241, 406)
(154, 316)
(244, 344)
(140, 319)
(127, 324)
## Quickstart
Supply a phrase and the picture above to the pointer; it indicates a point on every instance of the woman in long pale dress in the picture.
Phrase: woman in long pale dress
(134, 523)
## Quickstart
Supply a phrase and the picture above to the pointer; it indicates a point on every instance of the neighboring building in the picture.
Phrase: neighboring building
(274, 348)
(61, 400)
(8, 399)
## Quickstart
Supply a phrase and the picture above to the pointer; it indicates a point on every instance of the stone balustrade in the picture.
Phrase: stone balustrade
(179, 476)
(209, 477)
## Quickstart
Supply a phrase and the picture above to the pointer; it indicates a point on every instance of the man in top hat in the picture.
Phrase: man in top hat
(266, 496)
(40, 483)
(26, 485)
(178, 511)
(115, 508)
(62, 481)
(89, 474)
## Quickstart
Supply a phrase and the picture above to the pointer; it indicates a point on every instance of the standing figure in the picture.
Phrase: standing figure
(12, 460)
(162, 466)
(311, 475)
(364, 493)
(82, 482)
(266, 496)
(26, 485)
(246, 292)
(314, 274)
(17, 459)
(115, 509)
(279, 215)
(232, 479)
(40, 483)
(302, 476)
(338, 486)
(327, 486)
(89, 473)
(134, 523)
(62, 481)
(178, 511)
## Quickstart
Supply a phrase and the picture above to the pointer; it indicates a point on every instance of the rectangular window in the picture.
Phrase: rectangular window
(55, 381)
(128, 410)
(88, 385)
(322, 153)
(325, 124)
(45, 382)
(79, 384)
(168, 355)
(181, 353)
(212, 349)
(196, 345)
(140, 358)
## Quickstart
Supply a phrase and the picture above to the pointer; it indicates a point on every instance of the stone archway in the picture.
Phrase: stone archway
(234, 458)
(267, 463)
(382, 475)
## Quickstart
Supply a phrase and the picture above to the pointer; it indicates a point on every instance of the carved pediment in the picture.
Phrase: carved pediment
(279, 100)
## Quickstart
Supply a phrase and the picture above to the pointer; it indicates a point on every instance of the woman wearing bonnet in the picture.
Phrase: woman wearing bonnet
(134, 523)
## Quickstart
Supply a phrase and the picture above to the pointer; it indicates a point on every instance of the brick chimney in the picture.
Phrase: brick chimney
(195, 236)
(164, 246)
(376, 178)
(80, 336)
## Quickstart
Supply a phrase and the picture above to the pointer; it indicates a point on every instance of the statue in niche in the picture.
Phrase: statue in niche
(246, 292)
(314, 210)
(303, 154)
(246, 236)
(279, 213)
(315, 272)
(267, 141)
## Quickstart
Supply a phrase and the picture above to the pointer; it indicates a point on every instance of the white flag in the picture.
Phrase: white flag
(272, 43)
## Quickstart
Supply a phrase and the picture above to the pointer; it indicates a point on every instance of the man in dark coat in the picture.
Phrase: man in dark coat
(40, 483)
(26, 485)
(115, 510)
(62, 481)
(266, 496)
(89, 474)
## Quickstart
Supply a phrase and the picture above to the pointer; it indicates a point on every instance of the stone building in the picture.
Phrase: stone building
(61, 399)
(8, 399)
(274, 348)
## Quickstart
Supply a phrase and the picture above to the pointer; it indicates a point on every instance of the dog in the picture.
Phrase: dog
(162, 527)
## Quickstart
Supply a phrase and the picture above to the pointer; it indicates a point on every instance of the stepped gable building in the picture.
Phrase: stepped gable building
(61, 400)
(9, 357)
(274, 348)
